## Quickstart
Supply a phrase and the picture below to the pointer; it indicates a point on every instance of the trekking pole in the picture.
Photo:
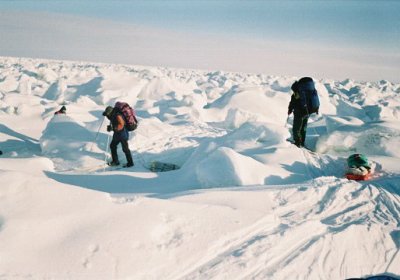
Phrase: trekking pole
(97, 134)
(287, 121)
(106, 155)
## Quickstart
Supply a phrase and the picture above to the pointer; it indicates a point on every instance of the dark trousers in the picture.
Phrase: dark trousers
(299, 129)
(125, 149)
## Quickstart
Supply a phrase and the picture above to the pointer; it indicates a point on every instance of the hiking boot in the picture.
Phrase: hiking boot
(113, 163)
(298, 144)
(129, 164)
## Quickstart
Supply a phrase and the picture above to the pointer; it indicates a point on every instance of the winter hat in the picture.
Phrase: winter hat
(108, 111)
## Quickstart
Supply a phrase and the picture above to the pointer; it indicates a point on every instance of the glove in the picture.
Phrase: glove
(109, 128)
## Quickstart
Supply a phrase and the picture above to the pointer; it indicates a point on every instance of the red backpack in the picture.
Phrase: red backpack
(128, 113)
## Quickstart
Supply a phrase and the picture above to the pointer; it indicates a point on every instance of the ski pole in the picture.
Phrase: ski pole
(106, 155)
(97, 134)
(315, 131)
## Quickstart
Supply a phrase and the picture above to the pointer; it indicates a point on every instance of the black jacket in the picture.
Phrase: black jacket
(295, 106)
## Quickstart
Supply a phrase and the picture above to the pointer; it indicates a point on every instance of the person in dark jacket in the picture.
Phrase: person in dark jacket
(300, 119)
(63, 110)
(121, 135)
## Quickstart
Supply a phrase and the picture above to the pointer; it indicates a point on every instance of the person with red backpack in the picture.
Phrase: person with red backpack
(303, 103)
(121, 135)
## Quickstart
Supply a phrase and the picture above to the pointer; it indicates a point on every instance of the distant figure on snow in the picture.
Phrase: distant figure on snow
(303, 103)
(121, 135)
(63, 110)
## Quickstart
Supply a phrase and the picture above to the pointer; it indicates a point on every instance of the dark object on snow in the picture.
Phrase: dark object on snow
(377, 277)
(1, 153)
(157, 166)
(63, 110)
(304, 101)
(358, 167)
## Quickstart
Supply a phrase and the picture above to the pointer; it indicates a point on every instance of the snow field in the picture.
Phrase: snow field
(245, 203)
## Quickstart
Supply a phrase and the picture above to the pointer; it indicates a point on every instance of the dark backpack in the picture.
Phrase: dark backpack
(131, 123)
(308, 95)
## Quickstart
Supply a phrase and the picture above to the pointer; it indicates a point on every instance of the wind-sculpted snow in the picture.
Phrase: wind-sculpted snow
(244, 204)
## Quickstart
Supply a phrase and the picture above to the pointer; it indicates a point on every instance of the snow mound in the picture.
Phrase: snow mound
(225, 167)
(69, 143)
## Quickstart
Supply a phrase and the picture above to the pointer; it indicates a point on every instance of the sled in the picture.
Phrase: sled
(357, 177)
(359, 168)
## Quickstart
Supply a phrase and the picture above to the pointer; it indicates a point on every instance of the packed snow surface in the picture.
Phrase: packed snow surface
(244, 204)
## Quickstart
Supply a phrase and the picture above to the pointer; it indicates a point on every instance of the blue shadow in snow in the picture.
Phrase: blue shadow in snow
(25, 146)
(88, 89)
(161, 185)
(299, 175)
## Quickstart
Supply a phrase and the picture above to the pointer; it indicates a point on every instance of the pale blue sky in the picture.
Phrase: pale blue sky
(368, 27)
(357, 23)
